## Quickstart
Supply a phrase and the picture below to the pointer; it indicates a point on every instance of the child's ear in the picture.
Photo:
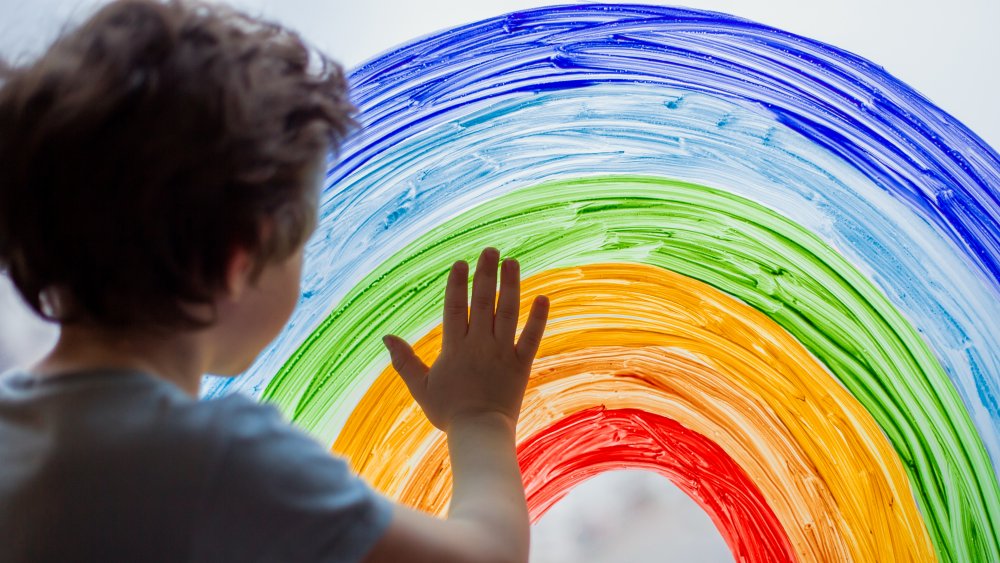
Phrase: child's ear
(238, 272)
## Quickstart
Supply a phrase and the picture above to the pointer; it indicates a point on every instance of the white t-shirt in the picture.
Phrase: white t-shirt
(123, 466)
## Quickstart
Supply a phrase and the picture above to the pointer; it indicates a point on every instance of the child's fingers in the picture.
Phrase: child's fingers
(411, 369)
(456, 302)
(509, 302)
(531, 336)
(484, 291)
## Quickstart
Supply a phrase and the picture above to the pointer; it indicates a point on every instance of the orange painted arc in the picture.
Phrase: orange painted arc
(631, 336)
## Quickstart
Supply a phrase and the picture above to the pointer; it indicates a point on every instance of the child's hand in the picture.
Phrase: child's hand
(480, 370)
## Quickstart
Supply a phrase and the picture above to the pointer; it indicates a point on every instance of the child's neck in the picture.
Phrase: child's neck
(179, 359)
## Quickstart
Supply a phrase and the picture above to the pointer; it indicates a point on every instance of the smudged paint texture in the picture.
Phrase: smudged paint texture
(774, 273)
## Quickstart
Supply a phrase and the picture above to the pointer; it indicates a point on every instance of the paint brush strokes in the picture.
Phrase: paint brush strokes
(725, 241)
(597, 440)
(636, 336)
(810, 185)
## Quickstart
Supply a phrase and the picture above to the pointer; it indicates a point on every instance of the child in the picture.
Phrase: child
(158, 179)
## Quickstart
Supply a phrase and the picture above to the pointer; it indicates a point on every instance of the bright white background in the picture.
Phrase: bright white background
(947, 51)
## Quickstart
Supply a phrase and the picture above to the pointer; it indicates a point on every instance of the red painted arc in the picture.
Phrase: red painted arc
(595, 440)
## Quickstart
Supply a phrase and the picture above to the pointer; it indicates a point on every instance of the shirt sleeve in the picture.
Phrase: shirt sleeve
(277, 495)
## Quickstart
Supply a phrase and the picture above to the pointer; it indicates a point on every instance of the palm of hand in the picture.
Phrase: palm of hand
(481, 369)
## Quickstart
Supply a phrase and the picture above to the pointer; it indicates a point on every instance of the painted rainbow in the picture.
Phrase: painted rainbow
(774, 272)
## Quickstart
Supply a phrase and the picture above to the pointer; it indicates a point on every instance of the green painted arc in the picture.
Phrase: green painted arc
(729, 242)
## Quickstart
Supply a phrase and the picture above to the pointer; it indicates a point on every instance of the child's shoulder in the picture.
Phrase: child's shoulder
(131, 449)
(98, 410)
(89, 417)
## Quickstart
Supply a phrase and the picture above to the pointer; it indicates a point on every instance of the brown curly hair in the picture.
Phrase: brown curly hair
(147, 144)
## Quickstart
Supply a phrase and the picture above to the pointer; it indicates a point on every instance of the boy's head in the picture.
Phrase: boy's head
(148, 147)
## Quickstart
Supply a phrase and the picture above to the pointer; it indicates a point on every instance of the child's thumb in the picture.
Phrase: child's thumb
(405, 360)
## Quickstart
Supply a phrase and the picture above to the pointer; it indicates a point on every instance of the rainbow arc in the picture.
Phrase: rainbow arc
(774, 272)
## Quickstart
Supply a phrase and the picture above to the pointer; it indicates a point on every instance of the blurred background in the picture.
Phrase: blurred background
(947, 52)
